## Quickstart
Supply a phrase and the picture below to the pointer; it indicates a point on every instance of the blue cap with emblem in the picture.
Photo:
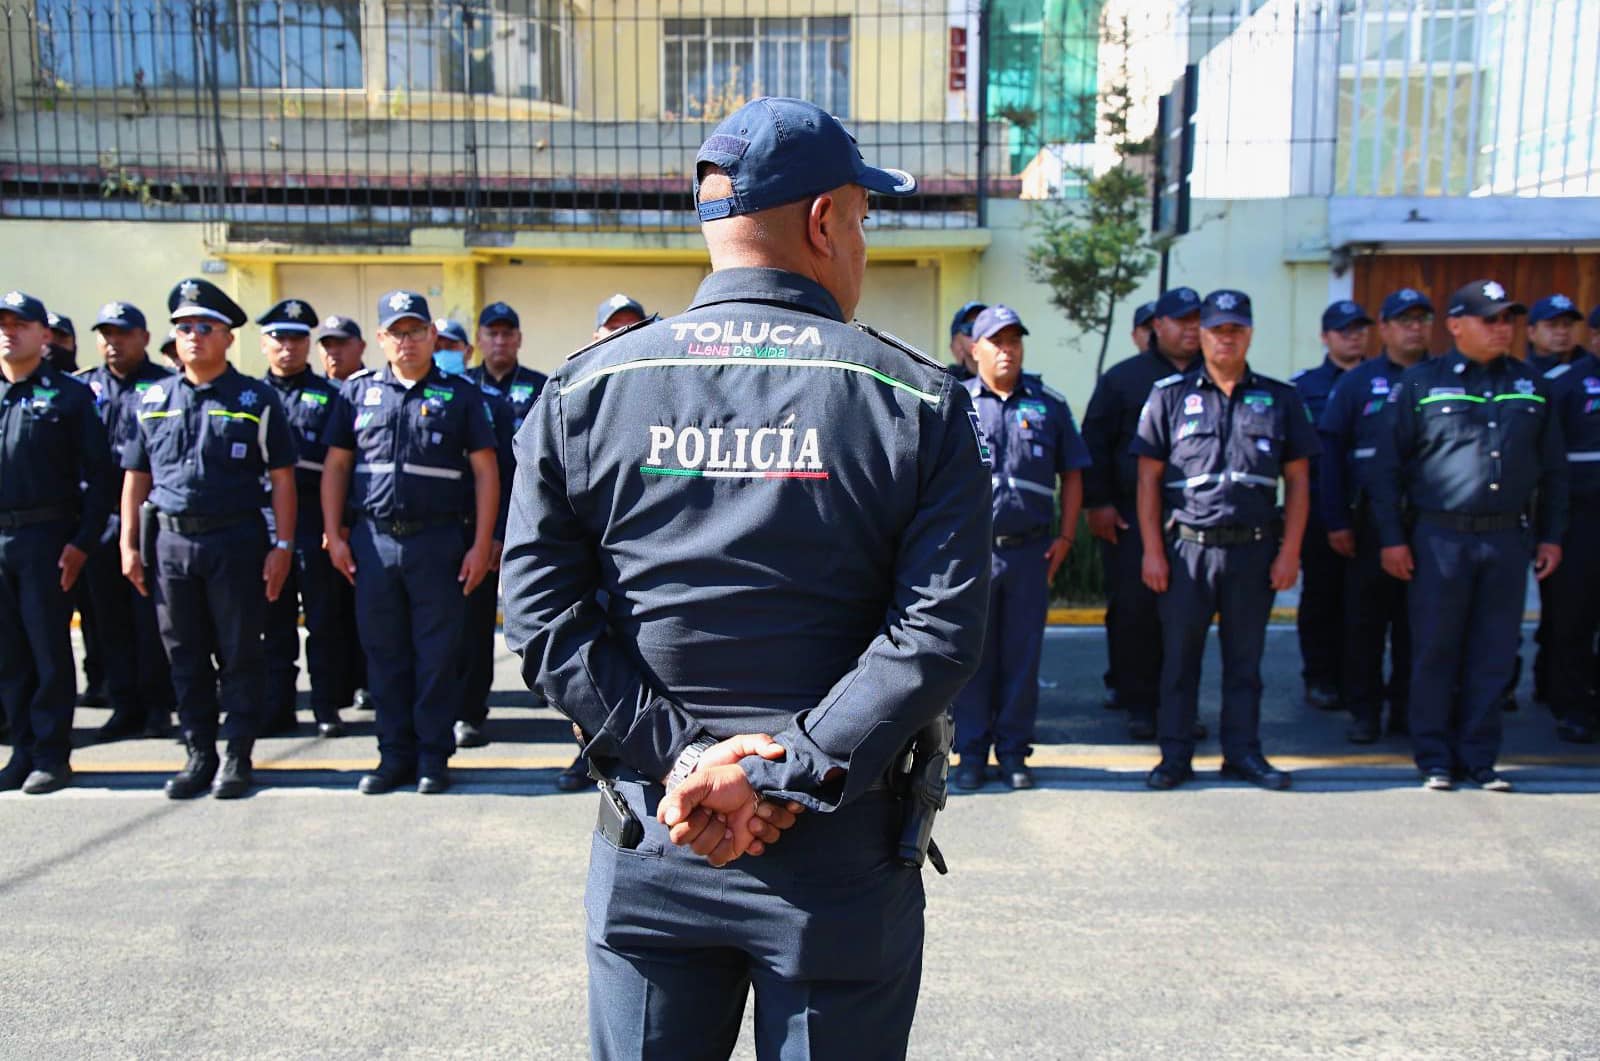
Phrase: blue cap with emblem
(1225, 306)
(777, 150)
(120, 315)
(1552, 306)
(398, 305)
(994, 319)
(292, 315)
(455, 331)
(25, 306)
(60, 322)
(1178, 302)
(965, 316)
(1144, 314)
(617, 303)
(1483, 298)
(338, 328)
(1404, 301)
(498, 312)
(201, 298)
(1342, 314)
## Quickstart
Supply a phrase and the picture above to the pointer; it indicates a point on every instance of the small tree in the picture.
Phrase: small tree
(1094, 253)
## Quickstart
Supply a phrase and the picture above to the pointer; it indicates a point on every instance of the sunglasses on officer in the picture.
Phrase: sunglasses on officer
(196, 327)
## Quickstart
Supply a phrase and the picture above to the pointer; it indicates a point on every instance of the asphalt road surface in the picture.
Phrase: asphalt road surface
(1355, 916)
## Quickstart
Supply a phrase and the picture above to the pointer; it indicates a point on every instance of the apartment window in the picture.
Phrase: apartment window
(299, 45)
(515, 48)
(1374, 32)
(713, 65)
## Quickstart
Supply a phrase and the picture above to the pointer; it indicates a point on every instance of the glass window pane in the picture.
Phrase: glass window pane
(783, 27)
(672, 87)
(733, 27)
(694, 60)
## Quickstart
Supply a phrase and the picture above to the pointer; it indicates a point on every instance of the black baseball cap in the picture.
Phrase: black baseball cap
(496, 312)
(614, 305)
(120, 315)
(337, 327)
(1552, 306)
(1225, 306)
(1342, 314)
(777, 150)
(1404, 300)
(1178, 302)
(60, 322)
(25, 306)
(1483, 298)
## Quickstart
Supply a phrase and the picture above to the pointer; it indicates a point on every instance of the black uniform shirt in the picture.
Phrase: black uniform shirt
(1575, 393)
(789, 517)
(521, 388)
(1110, 423)
(1225, 454)
(1350, 422)
(1470, 439)
(51, 441)
(116, 399)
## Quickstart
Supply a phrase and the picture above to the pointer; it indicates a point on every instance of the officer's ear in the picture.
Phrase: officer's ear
(230, 339)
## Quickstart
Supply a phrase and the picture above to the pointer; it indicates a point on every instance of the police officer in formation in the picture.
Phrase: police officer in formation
(1475, 445)
(616, 313)
(499, 342)
(138, 681)
(1034, 443)
(61, 352)
(1375, 614)
(794, 553)
(1346, 329)
(963, 365)
(51, 440)
(205, 441)
(1213, 445)
(343, 348)
(1552, 332)
(1110, 494)
(412, 451)
(307, 400)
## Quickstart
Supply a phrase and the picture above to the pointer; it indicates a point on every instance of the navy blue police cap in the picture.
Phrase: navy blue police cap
(498, 312)
(1483, 298)
(336, 327)
(614, 305)
(994, 319)
(1404, 300)
(1144, 314)
(120, 315)
(1225, 306)
(777, 150)
(1552, 306)
(201, 298)
(398, 305)
(60, 322)
(1342, 314)
(1178, 302)
(966, 316)
(452, 330)
(169, 345)
(290, 315)
(25, 306)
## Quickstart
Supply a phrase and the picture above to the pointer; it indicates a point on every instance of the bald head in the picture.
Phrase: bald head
(821, 237)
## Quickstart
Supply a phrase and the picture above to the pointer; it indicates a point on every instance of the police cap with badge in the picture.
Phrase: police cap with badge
(1552, 307)
(964, 317)
(120, 315)
(1226, 306)
(292, 318)
(617, 303)
(1343, 314)
(499, 313)
(201, 298)
(399, 305)
(1404, 301)
(337, 327)
(1177, 302)
(453, 330)
(61, 325)
(1483, 298)
(995, 319)
(25, 306)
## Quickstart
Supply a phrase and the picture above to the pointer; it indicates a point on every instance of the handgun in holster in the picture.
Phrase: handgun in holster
(616, 820)
(149, 527)
(923, 785)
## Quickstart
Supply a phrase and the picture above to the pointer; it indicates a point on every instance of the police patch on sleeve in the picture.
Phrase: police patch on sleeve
(985, 454)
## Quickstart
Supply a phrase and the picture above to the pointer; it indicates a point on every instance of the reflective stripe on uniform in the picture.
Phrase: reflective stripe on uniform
(1587, 456)
(1218, 477)
(1366, 453)
(431, 473)
(763, 362)
(1021, 484)
(310, 466)
(378, 468)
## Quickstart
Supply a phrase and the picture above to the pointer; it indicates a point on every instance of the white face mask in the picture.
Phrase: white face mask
(452, 361)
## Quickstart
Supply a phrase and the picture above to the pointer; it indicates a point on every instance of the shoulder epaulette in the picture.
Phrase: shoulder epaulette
(604, 339)
(1053, 393)
(1167, 381)
(360, 373)
(1558, 371)
(898, 343)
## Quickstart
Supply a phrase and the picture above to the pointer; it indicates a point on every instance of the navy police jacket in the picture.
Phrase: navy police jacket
(1470, 439)
(116, 398)
(1110, 423)
(1033, 440)
(1350, 422)
(520, 388)
(1575, 393)
(50, 442)
(412, 444)
(789, 519)
(207, 447)
(1224, 454)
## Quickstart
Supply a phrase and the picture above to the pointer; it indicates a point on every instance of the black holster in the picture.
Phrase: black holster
(923, 785)
(149, 528)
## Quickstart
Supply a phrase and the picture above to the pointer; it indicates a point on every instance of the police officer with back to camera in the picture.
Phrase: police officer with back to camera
(1570, 597)
(1110, 495)
(1346, 329)
(1034, 442)
(1474, 443)
(789, 518)
(963, 366)
(1375, 603)
(1213, 446)
(205, 440)
(138, 681)
(412, 450)
(499, 343)
(50, 442)
(452, 351)
(307, 401)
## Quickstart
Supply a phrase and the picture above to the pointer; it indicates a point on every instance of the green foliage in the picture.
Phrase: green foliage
(1081, 580)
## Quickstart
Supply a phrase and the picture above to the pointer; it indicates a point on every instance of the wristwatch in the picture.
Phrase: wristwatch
(287, 547)
(687, 760)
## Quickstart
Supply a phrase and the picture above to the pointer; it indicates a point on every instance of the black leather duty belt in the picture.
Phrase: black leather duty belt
(1229, 535)
(27, 517)
(1466, 524)
(405, 528)
(188, 525)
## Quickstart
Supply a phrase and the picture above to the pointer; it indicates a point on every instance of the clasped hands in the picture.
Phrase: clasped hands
(716, 812)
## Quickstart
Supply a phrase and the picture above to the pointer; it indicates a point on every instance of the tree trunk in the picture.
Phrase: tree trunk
(1105, 333)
